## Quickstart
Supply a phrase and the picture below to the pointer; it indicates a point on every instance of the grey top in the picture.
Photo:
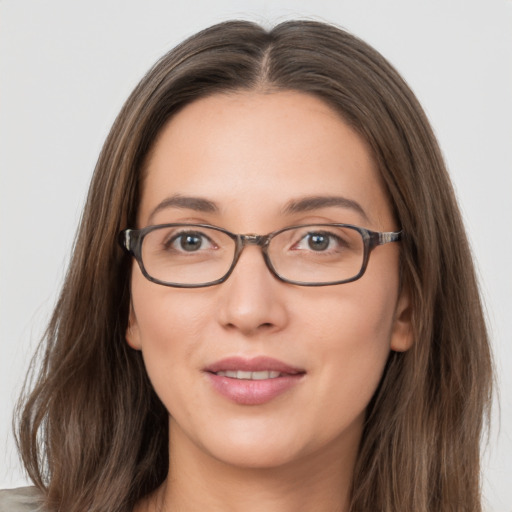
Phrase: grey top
(23, 499)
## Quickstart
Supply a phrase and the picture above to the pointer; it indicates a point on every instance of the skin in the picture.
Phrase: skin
(251, 153)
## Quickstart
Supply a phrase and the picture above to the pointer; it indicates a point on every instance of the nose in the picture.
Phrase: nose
(252, 300)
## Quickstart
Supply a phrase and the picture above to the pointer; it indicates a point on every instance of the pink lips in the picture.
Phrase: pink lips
(252, 392)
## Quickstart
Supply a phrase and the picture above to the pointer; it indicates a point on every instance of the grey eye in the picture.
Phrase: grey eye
(318, 241)
(190, 242)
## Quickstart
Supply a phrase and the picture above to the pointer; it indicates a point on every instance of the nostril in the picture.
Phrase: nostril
(264, 326)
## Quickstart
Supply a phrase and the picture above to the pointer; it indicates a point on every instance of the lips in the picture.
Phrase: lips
(253, 381)
(256, 364)
(242, 375)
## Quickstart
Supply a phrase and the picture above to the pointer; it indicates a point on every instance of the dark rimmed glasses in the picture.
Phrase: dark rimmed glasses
(199, 255)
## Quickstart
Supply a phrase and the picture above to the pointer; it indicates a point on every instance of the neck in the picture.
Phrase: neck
(197, 481)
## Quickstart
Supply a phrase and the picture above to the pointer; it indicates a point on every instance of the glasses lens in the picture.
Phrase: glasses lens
(187, 254)
(317, 254)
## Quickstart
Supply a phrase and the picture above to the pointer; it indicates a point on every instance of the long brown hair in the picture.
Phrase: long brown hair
(93, 434)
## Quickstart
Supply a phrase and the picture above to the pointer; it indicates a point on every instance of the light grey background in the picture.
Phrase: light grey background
(67, 66)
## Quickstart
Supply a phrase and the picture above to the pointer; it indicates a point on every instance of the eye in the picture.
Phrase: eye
(191, 241)
(318, 241)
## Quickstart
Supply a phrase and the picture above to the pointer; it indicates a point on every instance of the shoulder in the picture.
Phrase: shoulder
(22, 499)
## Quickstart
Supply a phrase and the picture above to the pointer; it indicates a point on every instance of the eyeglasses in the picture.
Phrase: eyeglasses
(199, 255)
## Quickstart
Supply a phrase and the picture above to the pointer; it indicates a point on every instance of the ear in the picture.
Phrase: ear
(132, 330)
(402, 332)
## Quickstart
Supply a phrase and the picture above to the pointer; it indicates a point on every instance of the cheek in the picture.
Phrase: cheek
(351, 336)
(358, 317)
(170, 324)
(163, 313)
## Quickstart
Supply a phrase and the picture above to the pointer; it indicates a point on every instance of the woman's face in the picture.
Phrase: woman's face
(246, 162)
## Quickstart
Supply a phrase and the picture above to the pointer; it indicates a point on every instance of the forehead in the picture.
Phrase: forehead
(251, 151)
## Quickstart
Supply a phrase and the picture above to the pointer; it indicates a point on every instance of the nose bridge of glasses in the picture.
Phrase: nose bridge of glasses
(252, 239)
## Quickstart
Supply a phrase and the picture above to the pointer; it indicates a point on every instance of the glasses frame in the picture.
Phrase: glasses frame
(131, 241)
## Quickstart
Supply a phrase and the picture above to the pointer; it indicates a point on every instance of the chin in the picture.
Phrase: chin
(260, 457)
(250, 448)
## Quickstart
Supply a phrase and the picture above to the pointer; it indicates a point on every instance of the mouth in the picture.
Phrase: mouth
(252, 381)
(243, 375)
(256, 368)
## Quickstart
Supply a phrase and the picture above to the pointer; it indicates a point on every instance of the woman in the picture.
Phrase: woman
(342, 365)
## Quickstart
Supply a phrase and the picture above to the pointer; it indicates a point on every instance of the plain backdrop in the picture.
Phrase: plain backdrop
(67, 66)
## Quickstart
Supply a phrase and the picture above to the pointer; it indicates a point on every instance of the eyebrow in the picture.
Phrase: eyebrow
(307, 204)
(198, 204)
